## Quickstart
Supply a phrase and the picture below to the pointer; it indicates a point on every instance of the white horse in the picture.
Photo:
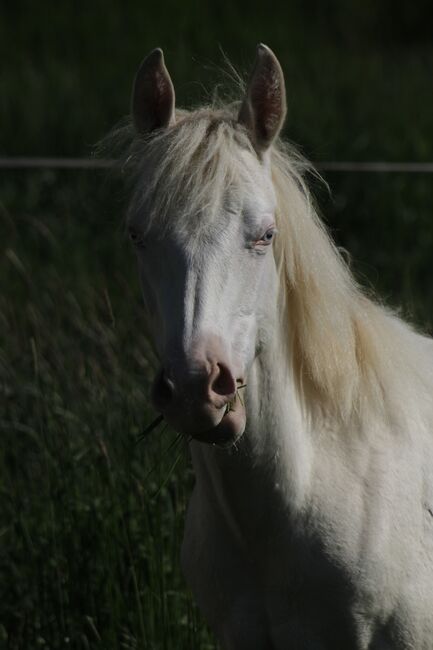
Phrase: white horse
(311, 522)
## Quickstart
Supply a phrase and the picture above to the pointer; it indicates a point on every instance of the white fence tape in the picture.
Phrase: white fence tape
(327, 166)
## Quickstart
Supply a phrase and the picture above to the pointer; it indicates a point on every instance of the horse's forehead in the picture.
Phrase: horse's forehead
(258, 195)
(250, 191)
(190, 204)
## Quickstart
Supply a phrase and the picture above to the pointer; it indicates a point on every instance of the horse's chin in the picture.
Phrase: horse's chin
(221, 427)
(228, 431)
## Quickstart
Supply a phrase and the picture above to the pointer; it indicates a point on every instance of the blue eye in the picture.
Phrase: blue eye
(265, 240)
(269, 235)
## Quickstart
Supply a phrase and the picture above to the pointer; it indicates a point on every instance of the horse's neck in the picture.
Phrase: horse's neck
(272, 457)
(277, 433)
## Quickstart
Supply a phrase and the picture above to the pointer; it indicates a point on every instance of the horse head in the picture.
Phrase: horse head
(202, 221)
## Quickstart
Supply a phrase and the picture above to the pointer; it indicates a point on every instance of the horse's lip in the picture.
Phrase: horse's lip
(229, 429)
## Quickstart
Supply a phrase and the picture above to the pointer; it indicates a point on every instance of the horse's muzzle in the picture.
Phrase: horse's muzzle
(201, 400)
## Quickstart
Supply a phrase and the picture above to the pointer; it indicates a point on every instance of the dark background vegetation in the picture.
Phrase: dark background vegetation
(90, 522)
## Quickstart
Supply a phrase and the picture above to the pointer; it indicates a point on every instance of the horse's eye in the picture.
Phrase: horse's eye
(268, 236)
(265, 240)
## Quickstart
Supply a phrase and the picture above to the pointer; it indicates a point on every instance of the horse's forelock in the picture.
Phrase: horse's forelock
(185, 170)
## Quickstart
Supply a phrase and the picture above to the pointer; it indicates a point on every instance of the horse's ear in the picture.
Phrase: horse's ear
(264, 106)
(153, 98)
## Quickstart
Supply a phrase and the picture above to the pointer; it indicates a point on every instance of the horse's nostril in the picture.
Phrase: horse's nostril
(163, 390)
(223, 382)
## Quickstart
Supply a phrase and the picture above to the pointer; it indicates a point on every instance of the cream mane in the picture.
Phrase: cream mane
(349, 355)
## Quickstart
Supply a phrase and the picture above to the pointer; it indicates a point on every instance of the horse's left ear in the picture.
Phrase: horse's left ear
(264, 106)
(153, 97)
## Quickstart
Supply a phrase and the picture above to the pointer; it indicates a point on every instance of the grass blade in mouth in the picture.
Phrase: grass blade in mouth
(155, 423)
(230, 406)
(170, 472)
(173, 445)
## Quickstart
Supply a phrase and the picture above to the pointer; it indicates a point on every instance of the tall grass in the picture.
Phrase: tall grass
(91, 521)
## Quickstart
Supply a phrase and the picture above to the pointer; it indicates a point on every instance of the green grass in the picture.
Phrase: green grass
(91, 521)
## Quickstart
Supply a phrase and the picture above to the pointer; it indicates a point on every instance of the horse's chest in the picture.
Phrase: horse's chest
(272, 573)
(331, 574)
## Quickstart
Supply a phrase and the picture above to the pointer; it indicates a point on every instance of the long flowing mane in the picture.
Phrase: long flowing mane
(349, 355)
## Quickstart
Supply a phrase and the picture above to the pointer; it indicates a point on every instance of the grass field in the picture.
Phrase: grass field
(91, 521)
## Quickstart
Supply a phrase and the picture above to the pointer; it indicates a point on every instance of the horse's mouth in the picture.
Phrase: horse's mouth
(229, 430)
(203, 415)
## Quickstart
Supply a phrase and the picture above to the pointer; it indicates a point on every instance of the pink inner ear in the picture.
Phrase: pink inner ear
(153, 96)
(264, 107)
(267, 103)
(163, 100)
(157, 100)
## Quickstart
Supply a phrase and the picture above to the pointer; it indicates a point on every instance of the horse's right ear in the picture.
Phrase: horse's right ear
(263, 109)
(153, 99)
